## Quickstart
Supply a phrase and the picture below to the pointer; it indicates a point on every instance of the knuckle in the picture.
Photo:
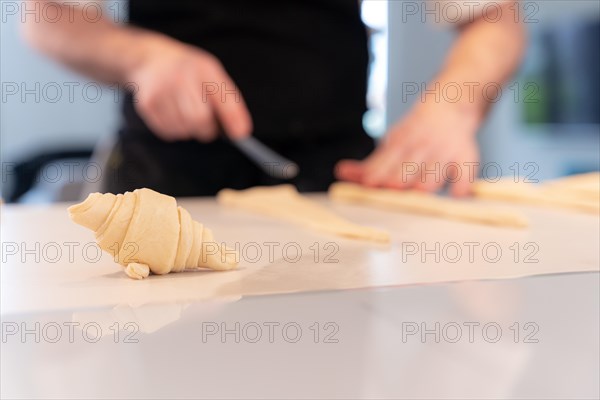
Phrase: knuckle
(147, 102)
(209, 65)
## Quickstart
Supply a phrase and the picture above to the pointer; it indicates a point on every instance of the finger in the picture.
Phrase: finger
(462, 187)
(174, 120)
(159, 118)
(349, 170)
(403, 138)
(230, 108)
(199, 117)
(431, 179)
(379, 167)
(451, 172)
(408, 171)
(206, 126)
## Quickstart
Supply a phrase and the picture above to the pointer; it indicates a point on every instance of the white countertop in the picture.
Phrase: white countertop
(353, 343)
(50, 263)
(366, 351)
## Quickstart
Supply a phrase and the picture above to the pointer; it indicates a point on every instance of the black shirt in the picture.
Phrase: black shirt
(301, 66)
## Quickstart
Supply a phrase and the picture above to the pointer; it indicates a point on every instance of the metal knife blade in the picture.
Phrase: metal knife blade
(274, 164)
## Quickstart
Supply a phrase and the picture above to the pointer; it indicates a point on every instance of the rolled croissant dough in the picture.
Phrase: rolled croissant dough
(285, 203)
(573, 193)
(583, 186)
(146, 231)
(424, 203)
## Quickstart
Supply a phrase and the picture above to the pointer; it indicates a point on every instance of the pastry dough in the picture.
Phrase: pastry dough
(146, 231)
(285, 203)
(584, 186)
(424, 203)
(548, 194)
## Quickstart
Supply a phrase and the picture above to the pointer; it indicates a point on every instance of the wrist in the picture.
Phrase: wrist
(144, 47)
(467, 96)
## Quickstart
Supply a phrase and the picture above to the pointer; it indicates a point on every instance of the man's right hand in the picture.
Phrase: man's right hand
(183, 92)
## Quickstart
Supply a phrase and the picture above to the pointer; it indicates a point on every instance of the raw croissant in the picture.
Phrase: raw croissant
(146, 231)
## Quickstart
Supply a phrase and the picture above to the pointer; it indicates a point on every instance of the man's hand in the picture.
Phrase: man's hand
(185, 93)
(434, 142)
(488, 50)
(181, 92)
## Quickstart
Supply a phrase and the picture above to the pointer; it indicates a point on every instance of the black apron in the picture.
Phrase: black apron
(301, 66)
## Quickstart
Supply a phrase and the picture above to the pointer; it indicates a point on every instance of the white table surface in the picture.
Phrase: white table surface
(174, 355)
(49, 263)
(168, 357)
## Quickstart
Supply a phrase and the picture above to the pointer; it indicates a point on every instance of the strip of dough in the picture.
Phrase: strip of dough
(542, 195)
(424, 203)
(285, 203)
(584, 186)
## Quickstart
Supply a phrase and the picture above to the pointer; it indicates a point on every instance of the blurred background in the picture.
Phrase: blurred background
(545, 123)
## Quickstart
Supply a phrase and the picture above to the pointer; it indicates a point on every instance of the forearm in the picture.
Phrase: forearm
(101, 49)
(486, 54)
